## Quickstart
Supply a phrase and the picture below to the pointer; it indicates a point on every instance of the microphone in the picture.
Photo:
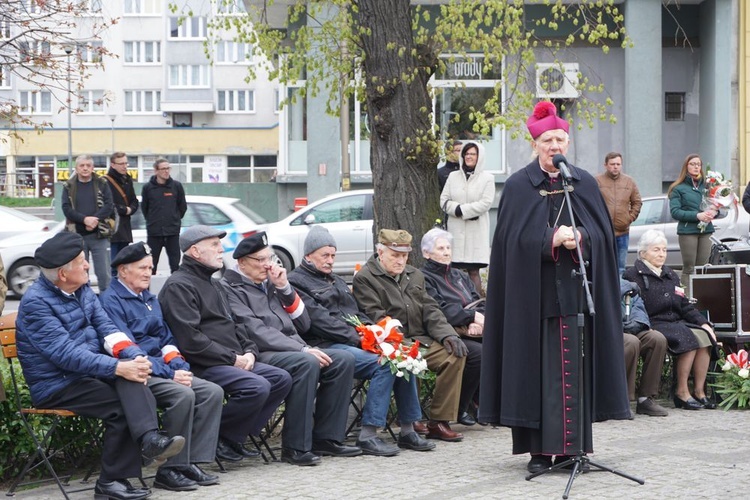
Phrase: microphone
(627, 307)
(561, 164)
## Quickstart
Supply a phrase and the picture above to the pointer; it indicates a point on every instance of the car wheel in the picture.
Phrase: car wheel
(285, 259)
(22, 275)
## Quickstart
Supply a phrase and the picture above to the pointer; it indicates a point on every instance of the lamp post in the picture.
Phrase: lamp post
(68, 51)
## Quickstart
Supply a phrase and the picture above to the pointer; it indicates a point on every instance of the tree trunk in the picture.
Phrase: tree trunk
(403, 153)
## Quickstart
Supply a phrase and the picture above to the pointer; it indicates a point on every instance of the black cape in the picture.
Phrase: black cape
(510, 388)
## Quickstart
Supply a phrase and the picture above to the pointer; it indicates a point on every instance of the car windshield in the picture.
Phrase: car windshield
(252, 215)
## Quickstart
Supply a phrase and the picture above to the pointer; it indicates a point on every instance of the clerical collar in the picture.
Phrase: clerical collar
(552, 175)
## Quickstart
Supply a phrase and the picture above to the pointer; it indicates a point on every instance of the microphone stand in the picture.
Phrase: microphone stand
(580, 460)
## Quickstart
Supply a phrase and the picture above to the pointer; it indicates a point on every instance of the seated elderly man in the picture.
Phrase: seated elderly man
(459, 300)
(61, 331)
(264, 302)
(216, 346)
(328, 300)
(192, 406)
(387, 286)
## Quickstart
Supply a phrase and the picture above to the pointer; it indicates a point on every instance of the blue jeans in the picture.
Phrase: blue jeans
(622, 251)
(382, 381)
(97, 249)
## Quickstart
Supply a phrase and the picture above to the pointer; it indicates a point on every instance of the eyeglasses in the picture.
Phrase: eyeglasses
(695, 163)
(470, 154)
(120, 163)
(269, 259)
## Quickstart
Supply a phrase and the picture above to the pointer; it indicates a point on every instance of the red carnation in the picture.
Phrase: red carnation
(543, 109)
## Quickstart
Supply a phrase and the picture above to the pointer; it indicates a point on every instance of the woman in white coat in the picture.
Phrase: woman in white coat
(467, 198)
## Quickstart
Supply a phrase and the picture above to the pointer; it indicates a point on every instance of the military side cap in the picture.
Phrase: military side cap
(397, 240)
(194, 234)
(131, 253)
(253, 243)
(59, 250)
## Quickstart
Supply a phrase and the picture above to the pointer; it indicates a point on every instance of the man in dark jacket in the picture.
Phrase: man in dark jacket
(125, 202)
(218, 348)
(191, 406)
(164, 205)
(451, 163)
(272, 313)
(328, 301)
(61, 333)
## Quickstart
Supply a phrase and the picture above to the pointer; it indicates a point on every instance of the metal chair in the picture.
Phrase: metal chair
(357, 403)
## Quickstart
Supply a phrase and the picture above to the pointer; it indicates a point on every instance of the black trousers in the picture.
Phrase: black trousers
(470, 377)
(171, 243)
(128, 410)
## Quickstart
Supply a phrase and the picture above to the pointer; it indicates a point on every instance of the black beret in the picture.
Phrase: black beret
(59, 250)
(253, 243)
(131, 253)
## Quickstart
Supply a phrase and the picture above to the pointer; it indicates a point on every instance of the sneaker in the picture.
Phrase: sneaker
(651, 408)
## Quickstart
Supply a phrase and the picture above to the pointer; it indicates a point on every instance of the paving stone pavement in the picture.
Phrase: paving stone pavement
(696, 454)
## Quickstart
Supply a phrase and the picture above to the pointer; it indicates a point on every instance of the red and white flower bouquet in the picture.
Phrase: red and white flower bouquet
(733, 382)
(719, 197)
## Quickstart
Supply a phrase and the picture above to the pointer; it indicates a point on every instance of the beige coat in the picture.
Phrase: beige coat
(471, 238)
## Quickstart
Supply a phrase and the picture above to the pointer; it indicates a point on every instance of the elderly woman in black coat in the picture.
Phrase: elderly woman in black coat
(457, 296)
(688, 332)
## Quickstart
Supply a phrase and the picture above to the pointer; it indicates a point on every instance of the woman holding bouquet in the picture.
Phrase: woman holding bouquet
(688, 332)
(694, 227)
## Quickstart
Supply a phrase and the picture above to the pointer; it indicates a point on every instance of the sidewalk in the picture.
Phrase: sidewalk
(696, 454)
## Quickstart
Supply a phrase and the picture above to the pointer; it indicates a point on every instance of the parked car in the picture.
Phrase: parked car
(655, 215)
(227, 214)
(347, 216)
(13, 222)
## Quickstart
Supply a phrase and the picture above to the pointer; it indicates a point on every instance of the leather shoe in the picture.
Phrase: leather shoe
(118, 490)
(377, 447)
(331, 448)
(651, 408)
(690, 404)
(144, 489)
(465, 418)
(156, 448)
(199, 475)
(414, 441)
(420, 427)
(539, 463)
(169, 478)
(225, 451)
(441, 430)
(296, 457)
(240, 449)
(707, 403)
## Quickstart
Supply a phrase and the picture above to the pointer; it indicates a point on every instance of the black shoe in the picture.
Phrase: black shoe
(144, 489)
(707, 403)
(117, 490)
(465, 418)
(296, 457)
(414, 441)
(329, 447)
(225, 451)
(199, 475)
(690, 404)
(377, 447)
(585, 467)
(539, 463)
(156, 448)
(169, 478)
(240, 449)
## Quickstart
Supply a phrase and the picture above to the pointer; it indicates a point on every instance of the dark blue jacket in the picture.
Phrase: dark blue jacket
(61, 338)
(163, 206)
(142, 320)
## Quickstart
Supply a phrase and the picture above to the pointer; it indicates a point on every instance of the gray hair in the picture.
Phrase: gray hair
(52, 274)
(430, 239)
(650, 238)
(81, 158)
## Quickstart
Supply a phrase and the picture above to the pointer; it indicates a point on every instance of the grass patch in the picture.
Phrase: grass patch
(25, 202)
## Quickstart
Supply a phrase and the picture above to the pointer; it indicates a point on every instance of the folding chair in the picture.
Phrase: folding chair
(357, 403)
(44, 452)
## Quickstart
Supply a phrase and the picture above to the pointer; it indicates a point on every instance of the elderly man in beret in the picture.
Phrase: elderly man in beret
(218, 347)
(192, 406)
(62, 332)
(328, 301)
(388, 286)
(264, 302)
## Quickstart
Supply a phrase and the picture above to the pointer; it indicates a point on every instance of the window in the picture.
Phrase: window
(236, 101)
(259, 168)
(189, 75)
(182, 120)
(142, 7)
(4, 76)
(229, 7)
(142, 101)
(4, 30)
(91, 101)
(35, 102)
(228, 52)
(276, 101)
(33, 49)
(674, 106)
(33, 6)
(652, 212)
(92, 6)
(90, 52)
(142, 53)
(191, 27)
(349, 209)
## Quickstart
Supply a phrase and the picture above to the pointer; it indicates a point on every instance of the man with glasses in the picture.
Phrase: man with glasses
(125, 201)
(262, 300)
(164, 205)
(453, 151)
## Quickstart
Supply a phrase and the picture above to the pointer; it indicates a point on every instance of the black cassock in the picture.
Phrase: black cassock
(530, 355)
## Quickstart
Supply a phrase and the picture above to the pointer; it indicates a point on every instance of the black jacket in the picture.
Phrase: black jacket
(445, 171)
(125, 182)
(100, 204)
(453, 291)
(328, 299)
(163, 206)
